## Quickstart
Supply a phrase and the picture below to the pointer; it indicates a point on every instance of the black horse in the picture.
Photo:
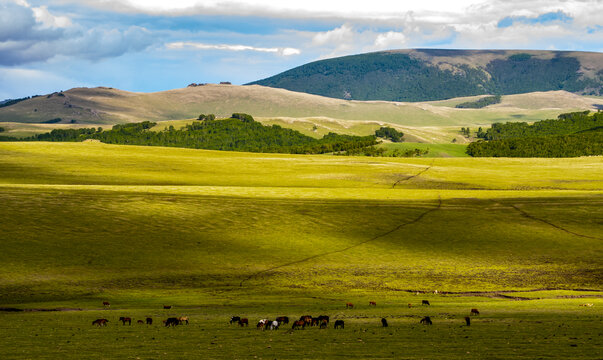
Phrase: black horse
(149, 321)
(234, 319)
(339, 324)
(173, 321)
(125, 320)
(383, 322)
(426, 321)
(425, 302)
(468, 320)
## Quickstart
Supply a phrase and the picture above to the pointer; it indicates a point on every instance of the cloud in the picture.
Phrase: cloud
(31, 34)
(18, 82)
(390, 39)
(195, 45)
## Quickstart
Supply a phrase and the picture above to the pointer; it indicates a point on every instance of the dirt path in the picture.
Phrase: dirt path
(412, 176)
(417, 219)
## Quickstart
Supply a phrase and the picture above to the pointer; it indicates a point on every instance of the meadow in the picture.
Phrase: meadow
(216, 234)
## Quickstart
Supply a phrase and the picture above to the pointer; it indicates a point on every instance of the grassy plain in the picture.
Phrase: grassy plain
(217, 234)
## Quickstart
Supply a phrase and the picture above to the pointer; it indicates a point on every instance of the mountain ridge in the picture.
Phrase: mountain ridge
(438, 74)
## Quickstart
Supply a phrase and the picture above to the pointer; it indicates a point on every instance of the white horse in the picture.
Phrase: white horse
(274, 325)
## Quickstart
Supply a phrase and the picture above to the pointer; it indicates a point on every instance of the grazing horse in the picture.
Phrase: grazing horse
(307, 319)
(339, 324)
(173, 321)
(274, 325)
(243, 322)
(125, 320)
(100, 322)
(183, 319)
(140, 322)
(474, 312)
(283, 319)
(349, 305)
(106, 303)
(167, 307)
(298, 324)
(323, 317)
(262, 324)
(324, 323)
(383, 322)
(409, 305)
(315, 321)
(426, 321)
(425, 302)
(234, 319)
(149, 321)
(468, 320)
(372, 303)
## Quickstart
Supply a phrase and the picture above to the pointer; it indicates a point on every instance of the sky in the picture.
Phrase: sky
(151, 45)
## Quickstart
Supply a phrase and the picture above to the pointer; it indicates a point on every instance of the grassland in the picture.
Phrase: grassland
(217, 234)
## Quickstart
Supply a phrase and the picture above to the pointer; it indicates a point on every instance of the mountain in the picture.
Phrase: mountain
(112, 106)
(435, 74)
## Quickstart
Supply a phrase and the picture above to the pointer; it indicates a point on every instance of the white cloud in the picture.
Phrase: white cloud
(390, 39)
(48, 20)
(201, 46)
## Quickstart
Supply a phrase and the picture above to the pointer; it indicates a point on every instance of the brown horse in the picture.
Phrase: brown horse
(125, 320)
(298, 324)
(349, 305)
(183, 319)
(167, 307)
(474, 312)
(283, 319)
(324, 323)
(409, 305)
(172, 321)
(106, 303)
(372, 303)
(100, 322)
(243, 322)
(140, 322)
(307, 319)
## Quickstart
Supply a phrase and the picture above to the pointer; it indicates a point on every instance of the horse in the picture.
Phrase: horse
(426, 321)
(167, 307)
(587, 305)
(339, 324)
(100, 322)
(298, 324)
(323, 317)
(283, 319)
(349, 305)
(262, 323)
(474, 312)
(173, 321)
(425, 302)
(183, 319)
(234, 319)
(315, 321)
(243, 322)
(274, 325)
(372, 303)
(409, 305)
(140, 322)
(149, 321)
(106, 303)
(383, 322)
(324, 323)
(468, 320)
(125, 320)
(306, 319)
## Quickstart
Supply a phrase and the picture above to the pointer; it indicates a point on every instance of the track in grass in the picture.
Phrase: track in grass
(525, 214)
(417, 219)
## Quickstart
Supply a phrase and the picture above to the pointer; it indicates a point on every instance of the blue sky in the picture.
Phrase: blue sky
(152, 45)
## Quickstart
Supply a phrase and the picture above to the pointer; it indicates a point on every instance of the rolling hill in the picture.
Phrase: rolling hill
(101, 105)
(435, 74)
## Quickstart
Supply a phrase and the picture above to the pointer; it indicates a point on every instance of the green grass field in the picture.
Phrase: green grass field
(217, 234)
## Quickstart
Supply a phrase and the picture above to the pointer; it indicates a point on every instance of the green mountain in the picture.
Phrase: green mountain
(434, 74)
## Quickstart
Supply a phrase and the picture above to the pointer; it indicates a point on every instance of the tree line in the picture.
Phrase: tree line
(570, 135)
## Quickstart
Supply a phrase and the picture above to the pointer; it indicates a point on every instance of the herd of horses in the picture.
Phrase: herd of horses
(304, 321)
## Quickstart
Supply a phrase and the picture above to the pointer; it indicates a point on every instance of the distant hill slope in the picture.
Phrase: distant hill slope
(112, 106)
(433, 74)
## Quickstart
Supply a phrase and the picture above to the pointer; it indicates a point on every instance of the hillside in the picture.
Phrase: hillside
(101, 106)
(434, 74)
